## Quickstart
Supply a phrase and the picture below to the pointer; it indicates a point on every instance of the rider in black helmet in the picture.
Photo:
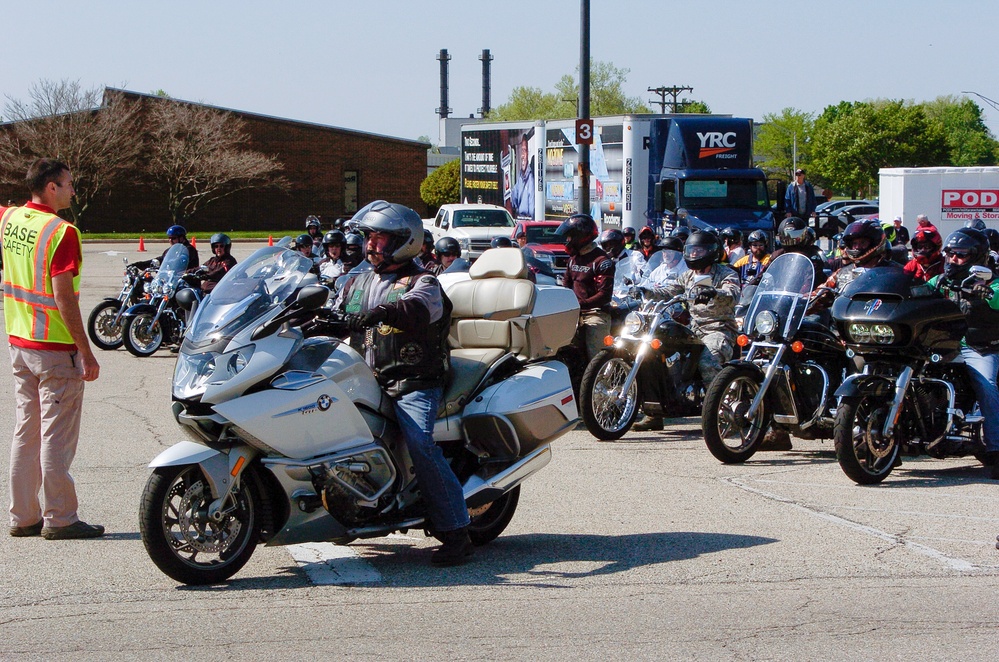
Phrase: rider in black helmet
(331, 265)
(612, 241)
(711, 303)
(796, 237)
(446, 250)
(979, 299)
(353, 250)
(426, 256)
(590, 275)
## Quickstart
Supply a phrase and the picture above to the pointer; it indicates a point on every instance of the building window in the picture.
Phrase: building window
(350, 191)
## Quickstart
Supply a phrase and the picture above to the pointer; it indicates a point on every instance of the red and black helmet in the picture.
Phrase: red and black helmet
(870, 230)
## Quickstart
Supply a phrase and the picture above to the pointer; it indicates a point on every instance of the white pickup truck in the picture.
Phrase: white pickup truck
(474, 226)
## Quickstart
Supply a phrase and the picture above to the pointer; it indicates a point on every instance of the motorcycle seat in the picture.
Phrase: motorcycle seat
(468, 367)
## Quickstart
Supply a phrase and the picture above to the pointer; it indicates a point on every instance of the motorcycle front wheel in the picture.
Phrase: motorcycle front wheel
(730, 436)
(141, 336)
(861, 449)
(488, 521)
(182, 540)
(104, 332)
(608, 411)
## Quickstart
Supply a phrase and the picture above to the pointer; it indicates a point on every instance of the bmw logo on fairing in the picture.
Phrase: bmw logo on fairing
(324, 402)
(872, 306)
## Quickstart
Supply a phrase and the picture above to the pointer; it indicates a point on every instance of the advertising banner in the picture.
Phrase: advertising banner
(606, 173)
(497, 168)
(966, 204)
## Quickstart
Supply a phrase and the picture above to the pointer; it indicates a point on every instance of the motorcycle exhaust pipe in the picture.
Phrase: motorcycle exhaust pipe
(479, 491)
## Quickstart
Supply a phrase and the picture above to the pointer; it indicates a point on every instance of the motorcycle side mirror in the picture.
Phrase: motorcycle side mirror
(312, 297)
(981, 273)
(155, 263)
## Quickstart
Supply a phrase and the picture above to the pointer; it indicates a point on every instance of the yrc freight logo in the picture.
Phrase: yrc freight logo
(716, 143)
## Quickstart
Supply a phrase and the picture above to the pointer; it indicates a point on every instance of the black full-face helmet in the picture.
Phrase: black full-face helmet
(701, 250)
(795, 234)
(976, 224)
(969, 242)
(612, 241)
(428, 240)
(877, 241)
(500, 242)
(577, 232)
(400, 222)
(334, 238)
(312, 225)
(303, 240)
(731, 236)
(680, 231)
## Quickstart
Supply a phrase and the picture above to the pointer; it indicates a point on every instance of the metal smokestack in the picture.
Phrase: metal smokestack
(486, 82)
(444, 58)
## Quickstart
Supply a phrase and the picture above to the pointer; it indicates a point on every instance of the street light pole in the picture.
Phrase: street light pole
(584, 103)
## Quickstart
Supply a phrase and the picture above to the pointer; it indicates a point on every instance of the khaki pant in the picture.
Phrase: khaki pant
(48, 392)
(596, 326)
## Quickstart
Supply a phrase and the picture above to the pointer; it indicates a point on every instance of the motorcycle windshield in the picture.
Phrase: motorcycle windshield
(784, 290)
(174, 265)
(265, 279)
(663, 267)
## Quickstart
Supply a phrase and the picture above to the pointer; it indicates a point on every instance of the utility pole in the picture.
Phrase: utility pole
(584, 104)
(674, 92)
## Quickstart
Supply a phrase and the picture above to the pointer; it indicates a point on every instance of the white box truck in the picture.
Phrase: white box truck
(948, 196)
(694, 170)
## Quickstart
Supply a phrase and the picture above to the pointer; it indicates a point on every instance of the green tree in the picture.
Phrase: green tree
(969, 141)
(695, 107)
(442, 186)
(853, 141)
(780, 138)
(607, 97)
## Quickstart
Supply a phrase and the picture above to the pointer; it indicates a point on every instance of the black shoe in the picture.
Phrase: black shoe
(993, 471)
(455, 550)
(776, 440)
(25, 531)
(650, 424)
(76, 530)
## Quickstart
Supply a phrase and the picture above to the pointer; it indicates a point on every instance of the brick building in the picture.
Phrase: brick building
(333, 171)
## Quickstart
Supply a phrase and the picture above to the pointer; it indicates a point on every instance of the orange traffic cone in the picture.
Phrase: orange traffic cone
(270, 240)
(142, 245)
(194, 241)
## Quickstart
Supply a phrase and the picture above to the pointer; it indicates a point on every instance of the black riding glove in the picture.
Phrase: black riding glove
(981, 291)
(373, 317)
(703, 294)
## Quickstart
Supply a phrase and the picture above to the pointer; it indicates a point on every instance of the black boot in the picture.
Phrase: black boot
(650, 424)
(455, 550)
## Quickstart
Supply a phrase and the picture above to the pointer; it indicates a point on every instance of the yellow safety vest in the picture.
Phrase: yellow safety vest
(30, 310)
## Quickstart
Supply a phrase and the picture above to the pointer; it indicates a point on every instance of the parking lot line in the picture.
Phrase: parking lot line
(327, 564)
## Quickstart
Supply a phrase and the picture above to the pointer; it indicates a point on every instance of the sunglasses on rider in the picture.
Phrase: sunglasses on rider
(958, 255)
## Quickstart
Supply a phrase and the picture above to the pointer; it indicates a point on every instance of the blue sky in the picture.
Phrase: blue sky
(371, 65)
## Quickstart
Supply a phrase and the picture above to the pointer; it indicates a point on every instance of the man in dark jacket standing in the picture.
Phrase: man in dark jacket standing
(799, 199)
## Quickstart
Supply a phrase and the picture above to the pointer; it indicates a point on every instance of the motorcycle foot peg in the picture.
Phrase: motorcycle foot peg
(309, 503)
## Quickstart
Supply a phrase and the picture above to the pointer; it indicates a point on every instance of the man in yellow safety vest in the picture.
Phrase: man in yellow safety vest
(49, 353)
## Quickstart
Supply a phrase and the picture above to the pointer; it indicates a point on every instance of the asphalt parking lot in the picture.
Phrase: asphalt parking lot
(645, 548)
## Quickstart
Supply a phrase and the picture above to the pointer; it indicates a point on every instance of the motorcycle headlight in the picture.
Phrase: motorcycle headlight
(765, 323)
(882, 334)
(860, 333)
(228, 365)
(632, 324)
(196, 371)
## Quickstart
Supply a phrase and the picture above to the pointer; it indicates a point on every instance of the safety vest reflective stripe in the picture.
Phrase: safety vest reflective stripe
(33, 300)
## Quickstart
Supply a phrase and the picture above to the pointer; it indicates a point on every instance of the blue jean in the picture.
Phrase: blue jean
(983, 368)
(416, 413)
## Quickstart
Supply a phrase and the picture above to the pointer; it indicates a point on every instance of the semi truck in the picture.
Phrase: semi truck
(950, 197)
(656, 170)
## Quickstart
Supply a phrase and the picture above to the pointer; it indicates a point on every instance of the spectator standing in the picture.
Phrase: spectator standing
(50, 355)
(901, 232)
(799, 199)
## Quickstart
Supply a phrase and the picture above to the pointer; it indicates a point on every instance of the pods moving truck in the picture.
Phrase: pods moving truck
(693, 170)
(949, 197)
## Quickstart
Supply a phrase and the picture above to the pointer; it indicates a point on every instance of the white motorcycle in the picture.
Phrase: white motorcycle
(293, 441)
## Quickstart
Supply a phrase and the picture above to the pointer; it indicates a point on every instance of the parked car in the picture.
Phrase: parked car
(544, 243)
(834, 205)
(473, 225)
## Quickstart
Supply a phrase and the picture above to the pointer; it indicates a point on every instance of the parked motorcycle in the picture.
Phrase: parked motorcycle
(159, 320)
(105, 323)
(293, 440)
(786, 379)
(914, 395)
(651, 365)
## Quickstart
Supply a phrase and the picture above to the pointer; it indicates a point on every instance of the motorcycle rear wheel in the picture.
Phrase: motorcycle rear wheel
(607, 412)
(490, 520)
(728, 434)
(862, 453)
(180, 538)
(101, 327)
(140, 337)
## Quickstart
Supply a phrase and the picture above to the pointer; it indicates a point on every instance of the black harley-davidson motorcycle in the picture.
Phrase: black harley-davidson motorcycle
(159, 319)
(914, 395)
(651, 365)
(105, 323)
(786, 379)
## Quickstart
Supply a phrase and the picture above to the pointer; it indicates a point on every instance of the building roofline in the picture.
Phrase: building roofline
(268, 118)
